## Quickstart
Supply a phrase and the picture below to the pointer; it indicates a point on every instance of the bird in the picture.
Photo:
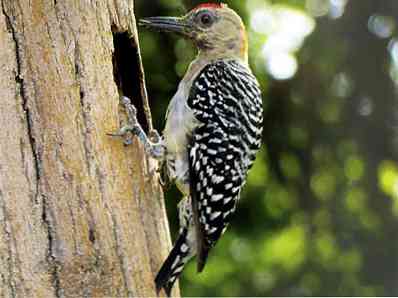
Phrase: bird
(212, 133)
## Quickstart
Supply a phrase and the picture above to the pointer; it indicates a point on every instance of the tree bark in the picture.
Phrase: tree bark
(80, 214)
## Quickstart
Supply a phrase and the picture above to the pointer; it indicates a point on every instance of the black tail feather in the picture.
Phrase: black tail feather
(167, 288)
(168, 274)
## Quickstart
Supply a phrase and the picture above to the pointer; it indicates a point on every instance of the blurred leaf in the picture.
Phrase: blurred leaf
(286, 249)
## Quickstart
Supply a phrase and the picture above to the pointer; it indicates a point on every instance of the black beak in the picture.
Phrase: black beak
(166, 24)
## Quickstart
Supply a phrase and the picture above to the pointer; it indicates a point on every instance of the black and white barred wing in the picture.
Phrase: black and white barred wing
(226, 99)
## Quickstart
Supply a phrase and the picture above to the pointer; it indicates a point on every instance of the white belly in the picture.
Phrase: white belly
(180, 123)
(179, 126)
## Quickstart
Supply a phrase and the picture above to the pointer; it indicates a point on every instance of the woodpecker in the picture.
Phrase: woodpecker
(212, 133)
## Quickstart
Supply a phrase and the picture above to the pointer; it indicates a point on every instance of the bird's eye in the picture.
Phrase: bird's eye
(206, 19)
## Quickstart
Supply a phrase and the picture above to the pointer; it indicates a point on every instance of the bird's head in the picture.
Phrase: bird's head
(216, 30)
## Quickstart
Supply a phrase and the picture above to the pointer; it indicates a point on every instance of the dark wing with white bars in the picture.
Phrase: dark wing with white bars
(226, 99)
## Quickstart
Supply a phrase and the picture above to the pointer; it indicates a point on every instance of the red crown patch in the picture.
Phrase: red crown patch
(209, 5)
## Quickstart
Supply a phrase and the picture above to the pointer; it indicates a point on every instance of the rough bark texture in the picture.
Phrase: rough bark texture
(80, 214)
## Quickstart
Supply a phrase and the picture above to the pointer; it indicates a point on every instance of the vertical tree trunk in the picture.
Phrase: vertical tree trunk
(80, 214)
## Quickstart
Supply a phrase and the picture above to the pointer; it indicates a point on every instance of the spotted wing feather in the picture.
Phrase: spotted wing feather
(226, 99)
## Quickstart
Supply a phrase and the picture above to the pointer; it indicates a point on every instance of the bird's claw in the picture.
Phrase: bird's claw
(124, 132)
(131, 111)
(153, 143)
(132, 127)
(154, 136)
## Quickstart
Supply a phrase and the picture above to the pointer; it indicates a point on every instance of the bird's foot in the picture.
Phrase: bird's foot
(153, 144)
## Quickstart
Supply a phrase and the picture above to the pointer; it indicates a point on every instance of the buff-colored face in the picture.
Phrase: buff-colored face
(213, 28)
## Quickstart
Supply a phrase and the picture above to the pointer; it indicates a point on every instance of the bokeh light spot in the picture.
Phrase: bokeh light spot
(337, 8)
(282, 66)
(355, 200)
(381, 26)
(342, 85)
(282, 200)
(393, 50)
(326, 247)
(318, 8)
(286, 29)
(388, 181)
(354, 168)
(286, 249)
(262, 21)
(365, 107)
(323, 184)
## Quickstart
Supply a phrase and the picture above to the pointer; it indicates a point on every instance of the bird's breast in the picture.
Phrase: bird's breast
(180, 123)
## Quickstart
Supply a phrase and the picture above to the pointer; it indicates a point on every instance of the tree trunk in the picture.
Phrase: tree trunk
(80, 214)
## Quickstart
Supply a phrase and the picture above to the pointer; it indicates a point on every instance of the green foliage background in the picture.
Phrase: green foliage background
(318, 215)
